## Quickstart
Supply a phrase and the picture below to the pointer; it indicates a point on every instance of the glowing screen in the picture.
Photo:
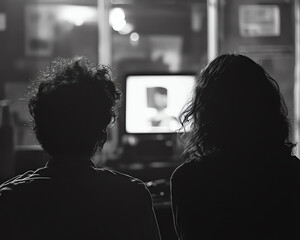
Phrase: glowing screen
(153, 102)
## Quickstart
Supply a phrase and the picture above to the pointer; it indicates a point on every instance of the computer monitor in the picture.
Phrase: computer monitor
(154, 102)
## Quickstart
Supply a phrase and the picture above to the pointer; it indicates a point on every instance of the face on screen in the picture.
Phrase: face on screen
(160, 101)
(153, 102)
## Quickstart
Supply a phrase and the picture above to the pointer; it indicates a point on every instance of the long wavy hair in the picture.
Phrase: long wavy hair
(236, 107)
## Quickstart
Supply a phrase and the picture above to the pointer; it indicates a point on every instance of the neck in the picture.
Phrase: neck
(70, 159)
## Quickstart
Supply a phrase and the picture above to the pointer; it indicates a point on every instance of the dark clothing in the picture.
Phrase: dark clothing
(225, 197)
(72, 199)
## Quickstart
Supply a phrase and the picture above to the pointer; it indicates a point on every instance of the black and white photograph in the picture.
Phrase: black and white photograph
(149, 119)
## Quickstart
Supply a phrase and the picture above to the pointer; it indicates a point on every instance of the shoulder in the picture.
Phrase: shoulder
(16, 185)
(122, 181)
(195, 175)
(188, 170)
(294, 167)
(122, 178)
(184, 177)
(295, 161)
(285, 164)
(181, 170)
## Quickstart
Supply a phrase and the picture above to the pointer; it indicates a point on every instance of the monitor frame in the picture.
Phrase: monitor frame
(162, 134)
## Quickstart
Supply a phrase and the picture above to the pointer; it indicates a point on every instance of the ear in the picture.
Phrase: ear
(102, 139)
(105, 136)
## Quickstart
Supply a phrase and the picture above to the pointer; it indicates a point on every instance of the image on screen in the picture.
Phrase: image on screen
(154, 102)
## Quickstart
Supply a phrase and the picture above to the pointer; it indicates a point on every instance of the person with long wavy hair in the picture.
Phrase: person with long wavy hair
(240, 179)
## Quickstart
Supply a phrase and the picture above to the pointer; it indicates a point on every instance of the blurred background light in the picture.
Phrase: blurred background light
(117, 19)
(126, 29)
(134, 37)
(77, 15)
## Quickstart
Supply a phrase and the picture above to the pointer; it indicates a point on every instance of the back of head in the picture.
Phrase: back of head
(236, 107)
(71, 103)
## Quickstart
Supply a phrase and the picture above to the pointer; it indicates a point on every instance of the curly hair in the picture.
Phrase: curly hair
(71, 103)
(236, 107)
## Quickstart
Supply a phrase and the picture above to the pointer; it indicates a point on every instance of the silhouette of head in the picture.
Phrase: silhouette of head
(72, 102)
(236, 107)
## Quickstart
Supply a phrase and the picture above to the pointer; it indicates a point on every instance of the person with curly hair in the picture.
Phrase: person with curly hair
(240, 179)
(72, 103)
